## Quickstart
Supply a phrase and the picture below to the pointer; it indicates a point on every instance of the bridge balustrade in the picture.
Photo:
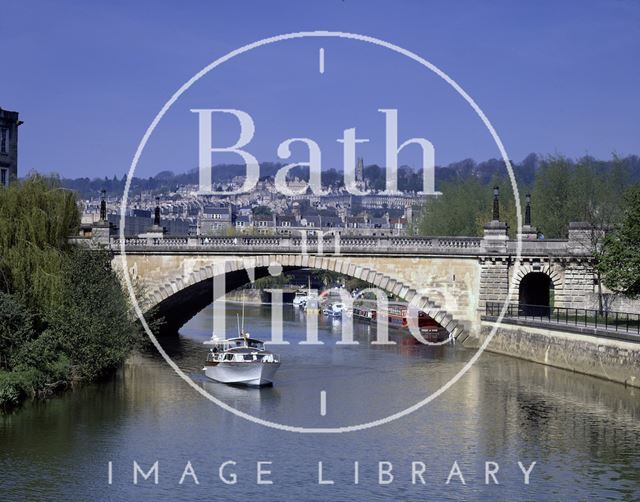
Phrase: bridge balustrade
(331, 243)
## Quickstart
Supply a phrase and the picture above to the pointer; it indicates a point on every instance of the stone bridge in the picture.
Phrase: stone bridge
(450, 278)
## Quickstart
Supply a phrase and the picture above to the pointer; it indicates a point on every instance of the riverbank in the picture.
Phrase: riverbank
(249, 296)
(608, 358)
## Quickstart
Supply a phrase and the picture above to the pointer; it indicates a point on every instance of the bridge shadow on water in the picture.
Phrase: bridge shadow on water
(176, 310)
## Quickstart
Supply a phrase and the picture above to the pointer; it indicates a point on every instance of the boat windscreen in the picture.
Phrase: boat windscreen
(255, 344)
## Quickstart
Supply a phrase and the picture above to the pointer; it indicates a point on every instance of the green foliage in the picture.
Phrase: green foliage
(36, 218)
(353, 283)
(619, 262)
(562, 191)
(47, 355)
(462, 209)
(29, 364)
(466, 205)
(16, 328)
(550, 196)
(262, 210)
(272, 282)
(326, 277)
(565, 191)
(92, 322)
(63, 314)
(14, 387)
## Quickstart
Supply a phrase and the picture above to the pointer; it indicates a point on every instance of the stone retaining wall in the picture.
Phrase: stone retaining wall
(608, 358)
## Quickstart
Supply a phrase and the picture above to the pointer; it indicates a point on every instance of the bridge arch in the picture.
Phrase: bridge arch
(183, 296)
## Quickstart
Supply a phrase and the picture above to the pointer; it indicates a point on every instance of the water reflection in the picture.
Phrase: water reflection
(583, 432)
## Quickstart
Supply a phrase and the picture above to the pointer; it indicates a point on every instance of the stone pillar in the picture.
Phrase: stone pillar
(494, 280)
(100, 233)
(494, 270)
(101, 229)
(582, 237)
(529, 232)
(103, 207)
(495, 232)
(496, 203)
(156, 231)
(156, 213)
(579, 284)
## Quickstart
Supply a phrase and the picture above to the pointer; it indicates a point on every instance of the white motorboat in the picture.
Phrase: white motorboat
(300, 299)
(242, 361)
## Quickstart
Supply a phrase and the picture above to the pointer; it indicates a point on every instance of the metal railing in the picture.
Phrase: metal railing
(623, 322)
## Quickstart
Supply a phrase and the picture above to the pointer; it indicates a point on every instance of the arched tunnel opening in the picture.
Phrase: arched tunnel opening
(535, 294)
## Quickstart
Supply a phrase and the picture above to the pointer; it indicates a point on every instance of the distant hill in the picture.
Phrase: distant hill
(408, 178)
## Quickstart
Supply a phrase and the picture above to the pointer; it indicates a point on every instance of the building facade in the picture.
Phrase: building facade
(8, 146)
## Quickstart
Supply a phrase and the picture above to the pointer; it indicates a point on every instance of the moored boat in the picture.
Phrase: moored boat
(395, 314)
(334, 310)
(300, 299)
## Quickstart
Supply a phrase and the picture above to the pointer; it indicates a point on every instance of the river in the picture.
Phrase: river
(582, 433)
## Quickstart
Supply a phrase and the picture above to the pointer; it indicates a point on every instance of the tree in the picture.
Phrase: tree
(586, 190)
(458, 210)
(93, 322)
(550, 195)
(563, 191)
(262, 210)
(36, 219)
(63, 314)
(619, 261)
(16, 328)
(600, 195)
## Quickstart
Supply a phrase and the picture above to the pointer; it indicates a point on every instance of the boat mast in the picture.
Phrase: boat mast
(242, 330)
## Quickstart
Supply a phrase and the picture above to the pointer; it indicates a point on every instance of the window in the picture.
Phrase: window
(3, 140)
(3, 177)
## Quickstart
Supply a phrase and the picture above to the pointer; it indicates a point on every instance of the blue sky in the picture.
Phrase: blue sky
(88, 78)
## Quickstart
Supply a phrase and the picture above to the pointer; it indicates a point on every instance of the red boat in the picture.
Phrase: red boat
(396, 316)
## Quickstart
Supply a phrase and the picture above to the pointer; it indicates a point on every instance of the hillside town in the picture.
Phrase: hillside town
(263, 211)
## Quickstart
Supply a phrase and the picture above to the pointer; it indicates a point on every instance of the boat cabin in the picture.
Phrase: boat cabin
(239, 342)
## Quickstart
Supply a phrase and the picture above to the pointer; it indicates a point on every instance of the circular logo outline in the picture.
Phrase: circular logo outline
(292, 36)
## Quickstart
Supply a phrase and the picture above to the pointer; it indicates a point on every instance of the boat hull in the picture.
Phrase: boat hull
(255, 374)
